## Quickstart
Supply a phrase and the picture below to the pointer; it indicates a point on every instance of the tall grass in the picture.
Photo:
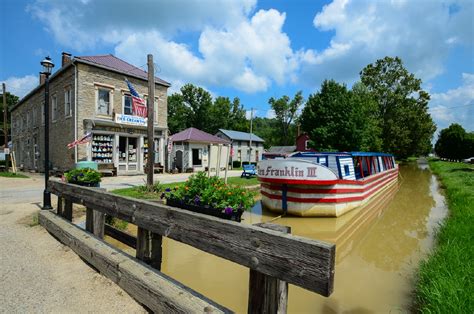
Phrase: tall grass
(446, 279)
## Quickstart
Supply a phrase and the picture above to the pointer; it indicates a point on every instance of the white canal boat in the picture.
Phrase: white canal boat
(324, 184)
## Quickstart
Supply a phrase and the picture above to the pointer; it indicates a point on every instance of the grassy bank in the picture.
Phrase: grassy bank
(446, 279)
(140, 192)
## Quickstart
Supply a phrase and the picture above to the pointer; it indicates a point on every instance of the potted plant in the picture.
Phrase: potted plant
(84, 176)
(210, 196)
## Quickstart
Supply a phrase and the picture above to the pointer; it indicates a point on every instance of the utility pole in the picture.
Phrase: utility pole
(150, 123)
(5, 127)
(5, 108)
(251, 121)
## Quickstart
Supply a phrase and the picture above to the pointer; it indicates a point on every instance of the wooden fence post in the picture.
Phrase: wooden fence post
(95, 222)
(268, 294)
(149, 248)
(67, 210)
(59, 210)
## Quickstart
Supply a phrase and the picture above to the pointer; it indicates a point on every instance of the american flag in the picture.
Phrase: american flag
(83, 140)
(138, 103)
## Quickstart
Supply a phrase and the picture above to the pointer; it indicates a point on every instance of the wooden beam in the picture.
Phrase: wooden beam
(157, 291)
(121, 236)
(300, 261)
(268, 294)
(67, 210)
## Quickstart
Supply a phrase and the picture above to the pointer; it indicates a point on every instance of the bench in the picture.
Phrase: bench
(157, 168)
(249, 171)
(107, 169)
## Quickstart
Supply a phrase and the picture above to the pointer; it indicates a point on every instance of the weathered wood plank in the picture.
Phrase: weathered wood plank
(89, 220)
(95, 221)
(268, 294)
(157, 291)
(300, 261)
(143, 251)
(59, 209)
(156, 251)
(67, 209)
(121, 236)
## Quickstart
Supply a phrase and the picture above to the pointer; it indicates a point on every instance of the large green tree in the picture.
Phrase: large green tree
(12, 100)
(455, 143)
(339, 119)
(407, 127)
(194, 107)
(285, 113)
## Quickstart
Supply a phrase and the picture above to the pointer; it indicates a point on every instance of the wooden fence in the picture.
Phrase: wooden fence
(274, 257)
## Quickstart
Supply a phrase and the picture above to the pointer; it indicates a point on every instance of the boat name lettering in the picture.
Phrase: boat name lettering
(287, 172)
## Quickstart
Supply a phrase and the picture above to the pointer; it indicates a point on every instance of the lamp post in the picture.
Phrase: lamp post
(47, 68)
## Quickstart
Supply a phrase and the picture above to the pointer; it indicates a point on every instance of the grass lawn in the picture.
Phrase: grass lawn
(136, 192)
(12, 175)
(446, 279)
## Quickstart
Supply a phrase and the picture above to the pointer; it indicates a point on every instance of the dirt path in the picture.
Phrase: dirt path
(39, 274)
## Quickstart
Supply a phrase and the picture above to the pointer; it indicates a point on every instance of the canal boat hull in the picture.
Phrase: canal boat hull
(303, 188)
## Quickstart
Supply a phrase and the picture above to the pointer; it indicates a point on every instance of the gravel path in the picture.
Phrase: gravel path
(38, 274)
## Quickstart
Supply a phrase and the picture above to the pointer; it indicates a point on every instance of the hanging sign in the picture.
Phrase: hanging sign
(131, 120)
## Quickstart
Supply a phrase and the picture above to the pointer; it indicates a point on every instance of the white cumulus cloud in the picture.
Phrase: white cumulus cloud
(455, 105)
(20, 86)
(422, 34)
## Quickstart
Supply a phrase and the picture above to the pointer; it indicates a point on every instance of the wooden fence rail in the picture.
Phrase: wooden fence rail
(303, 262)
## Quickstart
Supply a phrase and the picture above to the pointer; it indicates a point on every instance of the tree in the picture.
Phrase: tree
(285, 112)
(179, 114)
(407, 127)
(199, 101)
(454, 143)
(12, 100)
(339, 119)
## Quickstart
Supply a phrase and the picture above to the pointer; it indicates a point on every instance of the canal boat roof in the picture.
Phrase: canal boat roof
(348, 154)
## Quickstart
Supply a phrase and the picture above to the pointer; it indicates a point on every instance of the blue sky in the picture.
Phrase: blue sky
(253, 49)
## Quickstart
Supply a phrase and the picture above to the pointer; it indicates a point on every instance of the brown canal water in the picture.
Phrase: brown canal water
(378, 249)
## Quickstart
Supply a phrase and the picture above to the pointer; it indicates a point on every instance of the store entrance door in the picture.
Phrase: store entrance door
(128, 159)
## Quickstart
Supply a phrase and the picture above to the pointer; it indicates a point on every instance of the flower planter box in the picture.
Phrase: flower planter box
(89, 184)
(234, 216)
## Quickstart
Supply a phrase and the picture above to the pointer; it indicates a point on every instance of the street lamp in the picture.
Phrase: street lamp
(47, 68)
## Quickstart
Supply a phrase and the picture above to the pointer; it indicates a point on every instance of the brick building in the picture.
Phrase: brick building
(89, 94)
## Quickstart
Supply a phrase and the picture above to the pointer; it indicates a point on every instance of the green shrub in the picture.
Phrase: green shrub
(213, 192)
(83, 175)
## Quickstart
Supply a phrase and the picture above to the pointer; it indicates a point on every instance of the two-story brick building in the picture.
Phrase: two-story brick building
(89, 94)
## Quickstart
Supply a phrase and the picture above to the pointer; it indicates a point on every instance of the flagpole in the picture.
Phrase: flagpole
(150, 123)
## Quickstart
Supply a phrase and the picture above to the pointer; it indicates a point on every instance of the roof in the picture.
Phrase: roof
(241, 136)
(195, 135)
(112, 62)
(281, 149)
(109, 62)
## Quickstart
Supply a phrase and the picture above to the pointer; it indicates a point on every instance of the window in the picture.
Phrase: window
(306, 145)
(67, 102)
(54, 108)
(34, 123)
(103, 101)
(42, 114)
(346, 170)
(127, 104)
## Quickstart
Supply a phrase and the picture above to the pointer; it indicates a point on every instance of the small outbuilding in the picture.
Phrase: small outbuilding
(195, 150)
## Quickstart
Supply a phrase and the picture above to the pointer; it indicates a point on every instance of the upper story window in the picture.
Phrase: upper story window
(54, 108)
(42, 114)
(127, 104)
(103, 101)
(306, 144)
(67, 102)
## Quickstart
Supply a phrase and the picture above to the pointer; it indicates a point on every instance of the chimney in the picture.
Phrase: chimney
(66, 58)
(42, 78)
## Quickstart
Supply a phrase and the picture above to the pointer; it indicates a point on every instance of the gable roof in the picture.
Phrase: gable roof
(241, 136)
(111, 62)
(281, 149)
(197, 136)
